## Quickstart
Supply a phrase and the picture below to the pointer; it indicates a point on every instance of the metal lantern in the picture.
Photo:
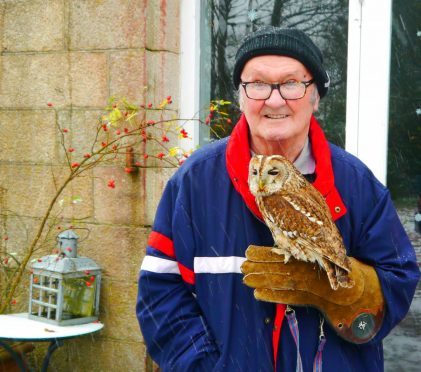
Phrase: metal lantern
(64, 288)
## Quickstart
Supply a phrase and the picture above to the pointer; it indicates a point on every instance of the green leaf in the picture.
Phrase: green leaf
(115, 115)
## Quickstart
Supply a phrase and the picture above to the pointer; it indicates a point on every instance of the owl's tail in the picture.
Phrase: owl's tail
(338, 277)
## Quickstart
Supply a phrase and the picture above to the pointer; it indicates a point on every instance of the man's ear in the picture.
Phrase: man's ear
(316, 100)
(240, 100)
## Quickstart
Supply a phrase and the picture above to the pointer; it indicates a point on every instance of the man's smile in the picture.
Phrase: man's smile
(279, 116)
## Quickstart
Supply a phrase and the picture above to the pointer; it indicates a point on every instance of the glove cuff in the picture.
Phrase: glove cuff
(360, 321)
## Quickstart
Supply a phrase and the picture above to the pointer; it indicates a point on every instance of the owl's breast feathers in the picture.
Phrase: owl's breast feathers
(304, 219)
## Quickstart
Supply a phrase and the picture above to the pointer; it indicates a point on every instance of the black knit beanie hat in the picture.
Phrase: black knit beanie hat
(270, 40)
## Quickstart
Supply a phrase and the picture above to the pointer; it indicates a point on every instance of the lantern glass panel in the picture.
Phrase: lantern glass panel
(79, 297)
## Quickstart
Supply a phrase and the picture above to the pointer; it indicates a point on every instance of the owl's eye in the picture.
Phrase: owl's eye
(254, 172)
(273, 172)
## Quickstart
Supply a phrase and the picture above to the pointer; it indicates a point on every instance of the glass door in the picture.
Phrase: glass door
(225, 24)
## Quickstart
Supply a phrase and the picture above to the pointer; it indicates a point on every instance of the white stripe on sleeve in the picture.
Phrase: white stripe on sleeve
(159, 265)
(218, 265)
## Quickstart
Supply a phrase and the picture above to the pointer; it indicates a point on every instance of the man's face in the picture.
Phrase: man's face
(276, 124)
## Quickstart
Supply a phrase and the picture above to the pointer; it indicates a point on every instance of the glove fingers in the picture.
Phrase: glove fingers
(287, 297)
(304, 291)
(259, 254)
(263, 254)
(265, 267)
(266, 280)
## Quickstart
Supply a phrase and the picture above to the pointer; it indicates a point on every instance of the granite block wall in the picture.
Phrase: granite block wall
(75, 54)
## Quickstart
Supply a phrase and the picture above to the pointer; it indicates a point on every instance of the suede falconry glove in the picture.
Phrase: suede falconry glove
(355, 313)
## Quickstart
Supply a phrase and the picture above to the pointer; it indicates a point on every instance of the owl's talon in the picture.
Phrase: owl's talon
(278, 251)
(282, 252)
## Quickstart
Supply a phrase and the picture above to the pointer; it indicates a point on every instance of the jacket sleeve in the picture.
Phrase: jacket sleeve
(384, 244)
(174, 329)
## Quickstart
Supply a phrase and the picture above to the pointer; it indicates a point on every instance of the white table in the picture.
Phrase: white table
(18, 327)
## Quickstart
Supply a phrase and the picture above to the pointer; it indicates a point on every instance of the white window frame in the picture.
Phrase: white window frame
(190, 70)
(367, 109)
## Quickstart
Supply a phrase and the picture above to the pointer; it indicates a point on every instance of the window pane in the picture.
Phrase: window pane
(226, 22)
(404, 164)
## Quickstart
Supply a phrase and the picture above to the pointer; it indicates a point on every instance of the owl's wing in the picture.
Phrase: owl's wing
(305, 218)
(311, 204)
(291, 215)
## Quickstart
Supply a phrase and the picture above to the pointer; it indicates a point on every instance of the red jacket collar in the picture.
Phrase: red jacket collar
(238, 158)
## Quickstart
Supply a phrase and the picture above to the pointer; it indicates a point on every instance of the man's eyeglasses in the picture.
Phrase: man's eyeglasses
(289, 91)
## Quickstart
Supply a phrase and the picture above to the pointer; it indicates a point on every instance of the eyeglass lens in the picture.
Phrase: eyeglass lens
(258, 90)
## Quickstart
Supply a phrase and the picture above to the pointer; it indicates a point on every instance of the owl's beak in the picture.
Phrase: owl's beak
(261, 185)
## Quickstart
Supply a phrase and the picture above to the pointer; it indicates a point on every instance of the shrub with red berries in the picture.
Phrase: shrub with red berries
(130, 135)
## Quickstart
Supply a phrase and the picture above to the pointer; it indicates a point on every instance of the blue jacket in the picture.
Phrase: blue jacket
(194, 311)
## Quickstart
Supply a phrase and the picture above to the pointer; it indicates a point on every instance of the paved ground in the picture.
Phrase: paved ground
(402, 348)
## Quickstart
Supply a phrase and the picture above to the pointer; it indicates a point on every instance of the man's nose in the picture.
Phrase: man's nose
(275, 99)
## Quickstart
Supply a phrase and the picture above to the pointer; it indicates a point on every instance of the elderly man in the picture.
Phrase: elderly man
(195, 307)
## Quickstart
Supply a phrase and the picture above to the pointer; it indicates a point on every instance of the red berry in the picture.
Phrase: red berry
(92, 278)
(49, 104)
(149, 105)
(65, 130)
(128, 170)
(118, 132)
(165, 139)
(145, 156)
(111, 184)
(160, 155)
(87, 156)
(71, 149)
(75, 164)
(88, 284)
(126, 130)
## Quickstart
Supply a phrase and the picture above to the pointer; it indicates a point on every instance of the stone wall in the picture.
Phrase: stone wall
(75, 54)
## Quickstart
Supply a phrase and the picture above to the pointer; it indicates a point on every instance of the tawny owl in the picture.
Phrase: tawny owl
(298, 217)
